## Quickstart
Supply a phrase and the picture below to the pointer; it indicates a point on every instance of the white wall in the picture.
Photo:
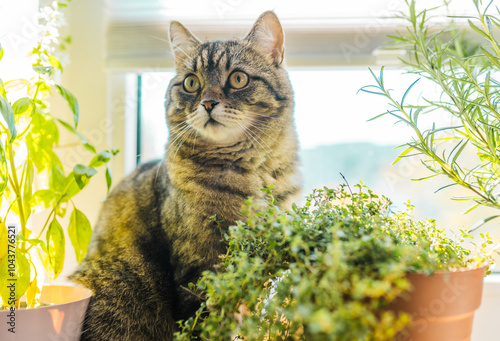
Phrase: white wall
(86, 78)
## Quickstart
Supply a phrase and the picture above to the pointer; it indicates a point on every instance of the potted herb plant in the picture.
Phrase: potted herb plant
(33, 179)
(341, 267)
(464, 66)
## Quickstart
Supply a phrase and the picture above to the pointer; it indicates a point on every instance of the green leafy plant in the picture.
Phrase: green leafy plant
(465, 68)
(32, 176)
(324, 271)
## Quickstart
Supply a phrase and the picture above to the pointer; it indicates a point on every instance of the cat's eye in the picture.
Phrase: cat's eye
(238, 80)
(191, 83)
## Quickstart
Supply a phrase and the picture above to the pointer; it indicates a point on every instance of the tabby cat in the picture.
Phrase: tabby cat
(230, 116)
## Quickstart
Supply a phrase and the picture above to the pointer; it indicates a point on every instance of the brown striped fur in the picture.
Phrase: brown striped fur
(154, 235)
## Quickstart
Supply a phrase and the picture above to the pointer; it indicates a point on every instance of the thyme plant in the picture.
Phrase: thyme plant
(464, 65)
(323, 271)
(32, 176)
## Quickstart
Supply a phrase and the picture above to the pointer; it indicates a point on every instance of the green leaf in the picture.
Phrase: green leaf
(55, 63)
(2, 90)
(22, 105)
(55, 248)
(28, 187)
(478, 30)
(482, 222)
(79, 232)
(83, 174)
(3, 241)
(90, 148)
(21, 276)
(45, 197)
(405, 152)
(72, 130)
(72, 102)
(108, 178)
(38, 242)
(408, 91)
(43, 69)
(8, 115)
(1, 52)
(57, 180)
(100, 159)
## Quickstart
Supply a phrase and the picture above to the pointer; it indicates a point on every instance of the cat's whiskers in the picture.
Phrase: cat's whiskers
(177, 47)
(177, 139)
(268, 151)
(254, 125)
(182, 142)
(271, 156)
(266, 116)
(194, 141)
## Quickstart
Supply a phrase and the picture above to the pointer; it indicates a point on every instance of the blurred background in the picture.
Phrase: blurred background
(119, 65)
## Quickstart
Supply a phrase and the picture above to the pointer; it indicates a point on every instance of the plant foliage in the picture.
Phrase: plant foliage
(324, 271)
(465, 68)
(32, 175)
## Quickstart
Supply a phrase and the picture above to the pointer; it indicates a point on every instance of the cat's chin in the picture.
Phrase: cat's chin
(220, 134)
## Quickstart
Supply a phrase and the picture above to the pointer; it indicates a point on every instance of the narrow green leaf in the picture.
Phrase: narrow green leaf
(72, 102)
(478, 30)
(83, 174)
(72, 130)
(473, 207)
(491, 57)
(402, 154)
(8, 115)
(482, 222)
(80, 233)
(458, 152)
(108, 178)
(1, 52)
(408, 91)
(425, 178)
(55, 248)
(55, 63)
(444, 187)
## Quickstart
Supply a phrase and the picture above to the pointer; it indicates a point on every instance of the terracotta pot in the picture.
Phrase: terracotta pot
(61, 321)
(441, 306)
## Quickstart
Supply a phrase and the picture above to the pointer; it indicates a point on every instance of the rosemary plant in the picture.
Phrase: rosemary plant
(464, 64)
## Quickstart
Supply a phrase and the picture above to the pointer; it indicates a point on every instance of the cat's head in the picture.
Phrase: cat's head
(231, 90)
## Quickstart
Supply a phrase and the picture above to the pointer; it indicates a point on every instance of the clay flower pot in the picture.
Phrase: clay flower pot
(441, 306)
(61, 321)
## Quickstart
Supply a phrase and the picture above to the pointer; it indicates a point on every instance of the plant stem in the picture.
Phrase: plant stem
(17, 190)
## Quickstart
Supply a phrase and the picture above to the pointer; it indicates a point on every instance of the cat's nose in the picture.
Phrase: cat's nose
(209, 105)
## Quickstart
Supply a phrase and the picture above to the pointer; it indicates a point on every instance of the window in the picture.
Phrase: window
(329, 48)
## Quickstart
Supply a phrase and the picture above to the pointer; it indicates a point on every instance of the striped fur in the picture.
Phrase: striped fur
(154, 235)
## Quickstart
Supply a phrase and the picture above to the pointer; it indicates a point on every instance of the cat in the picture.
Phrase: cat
(229, 110)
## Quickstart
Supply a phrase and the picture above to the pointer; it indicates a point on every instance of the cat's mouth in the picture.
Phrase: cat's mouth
(212, 122)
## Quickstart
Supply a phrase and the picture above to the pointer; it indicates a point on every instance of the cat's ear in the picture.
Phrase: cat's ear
(267, 36)
(182, 40)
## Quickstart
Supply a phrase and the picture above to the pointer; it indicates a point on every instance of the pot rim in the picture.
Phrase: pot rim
(88, 294)
(481, 268)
